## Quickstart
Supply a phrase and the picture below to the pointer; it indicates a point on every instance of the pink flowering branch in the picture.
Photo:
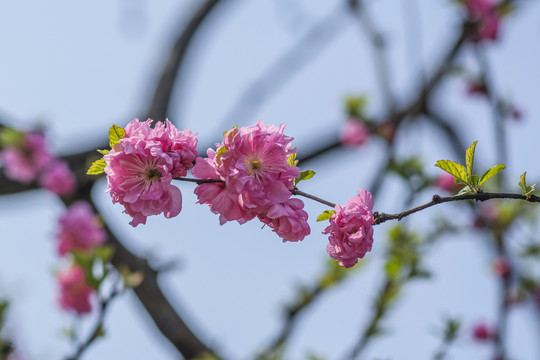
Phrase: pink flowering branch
(294, 191)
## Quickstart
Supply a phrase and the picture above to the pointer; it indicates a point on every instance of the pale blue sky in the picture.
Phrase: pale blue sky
(77, 67)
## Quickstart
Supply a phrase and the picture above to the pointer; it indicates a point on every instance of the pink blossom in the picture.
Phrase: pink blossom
(354, 133)
(351, 230)
(288, 220)
(252, 163)
(501, 266)
(141, 166)
(446, 182)
(483, 332)
(180, 146)
(58, 179)
(221, 199)
(477, 88)
(79, 229)
(485, 13)
(23, 163)
(74, 291)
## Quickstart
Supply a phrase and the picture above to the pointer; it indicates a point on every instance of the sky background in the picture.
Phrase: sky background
(78, 67)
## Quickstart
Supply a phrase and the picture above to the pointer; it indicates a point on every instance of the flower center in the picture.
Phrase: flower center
(152, 174)
(253, 166)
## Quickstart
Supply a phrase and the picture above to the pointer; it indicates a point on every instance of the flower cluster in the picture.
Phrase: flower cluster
(28, 158)
(79, 231)
(484, 12)
(142, 164)
(251, 174)
(351, 229)
(254, 169)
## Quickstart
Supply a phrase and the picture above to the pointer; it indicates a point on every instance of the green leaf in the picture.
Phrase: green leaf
(291, 160)
(97, 167)
(115, 134)
(523, 182)
(103, 152)
(104, 253)
(221, 150)
(325, 215)
(304, 175)
(529, 190)
(474, 181)
(453, 168)
(465, 191)
(491, 173)
(469, 159)
(10, 137)
(355, 106)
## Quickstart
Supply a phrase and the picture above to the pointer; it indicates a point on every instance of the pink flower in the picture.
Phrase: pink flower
(74, 291)
(79, 229)
(141, 166)
(446, 182)
(354, 133)
(483, 332)
(58, 179)
(222, 200)
(501, 266)
(477, 88)
(351, 230)
(485, 13)
(288, 220)
(23, 163)
(252, 163)
(180, 146)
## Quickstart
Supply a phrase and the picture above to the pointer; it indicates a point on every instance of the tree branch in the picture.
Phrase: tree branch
(383, 217)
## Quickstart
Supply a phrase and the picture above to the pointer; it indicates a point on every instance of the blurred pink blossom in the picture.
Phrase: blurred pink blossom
(501, 266)
(58, 179)
(354, 133)
(485, 13)
(74, 291)
(23, 163)
(351, 229)
(288, 220)
(483, 332)
(79, 229)
(446, 182)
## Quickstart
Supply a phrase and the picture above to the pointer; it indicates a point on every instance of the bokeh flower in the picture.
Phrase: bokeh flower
(79, 229)
(75, 293)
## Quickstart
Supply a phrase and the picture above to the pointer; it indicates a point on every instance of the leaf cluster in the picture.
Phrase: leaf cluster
(464, 174)
(115, 134)
(94, 264)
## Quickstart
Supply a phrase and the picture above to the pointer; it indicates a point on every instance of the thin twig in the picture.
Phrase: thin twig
(295, 191)
(383, 217)
(98, 326)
